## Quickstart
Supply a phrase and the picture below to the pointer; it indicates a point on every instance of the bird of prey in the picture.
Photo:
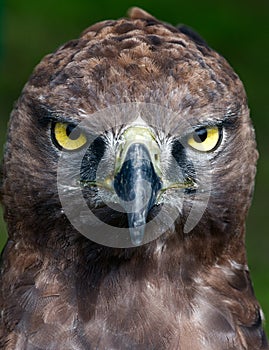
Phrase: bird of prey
(127, 177)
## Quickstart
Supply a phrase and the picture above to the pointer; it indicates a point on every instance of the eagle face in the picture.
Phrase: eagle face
(128, 174)
(159, 176)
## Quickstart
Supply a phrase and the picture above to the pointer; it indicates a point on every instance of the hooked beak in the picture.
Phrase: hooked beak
(137, 177)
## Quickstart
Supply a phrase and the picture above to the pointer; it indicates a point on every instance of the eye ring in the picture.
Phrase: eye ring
(68, 136)
(205, 139)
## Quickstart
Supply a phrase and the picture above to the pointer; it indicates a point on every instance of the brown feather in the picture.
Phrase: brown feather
(60, 290)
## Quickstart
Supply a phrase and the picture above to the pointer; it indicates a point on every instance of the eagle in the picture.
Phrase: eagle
(127, 176)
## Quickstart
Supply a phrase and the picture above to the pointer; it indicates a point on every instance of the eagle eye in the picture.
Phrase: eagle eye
(68, 136)
(205, 139)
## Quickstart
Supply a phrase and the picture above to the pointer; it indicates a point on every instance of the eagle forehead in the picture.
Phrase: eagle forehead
(115, 57)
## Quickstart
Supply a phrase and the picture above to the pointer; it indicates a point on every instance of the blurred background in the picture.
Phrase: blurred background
(239, 30)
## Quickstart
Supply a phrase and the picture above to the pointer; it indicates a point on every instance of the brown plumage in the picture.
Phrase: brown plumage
(59, 289)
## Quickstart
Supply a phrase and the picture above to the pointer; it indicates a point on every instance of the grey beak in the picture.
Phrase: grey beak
(137, 186)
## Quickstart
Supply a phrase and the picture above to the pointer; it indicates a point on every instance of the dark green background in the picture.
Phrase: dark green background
(238, 29)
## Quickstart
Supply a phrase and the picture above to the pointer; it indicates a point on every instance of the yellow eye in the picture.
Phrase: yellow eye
(204, 139)
(68, 136)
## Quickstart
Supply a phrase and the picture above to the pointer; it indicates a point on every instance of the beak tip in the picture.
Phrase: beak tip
(137, 234)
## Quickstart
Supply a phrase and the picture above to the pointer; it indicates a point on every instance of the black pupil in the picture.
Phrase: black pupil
(200, 135)
(73, 132)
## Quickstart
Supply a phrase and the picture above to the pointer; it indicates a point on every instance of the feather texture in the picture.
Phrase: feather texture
(60, 290)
